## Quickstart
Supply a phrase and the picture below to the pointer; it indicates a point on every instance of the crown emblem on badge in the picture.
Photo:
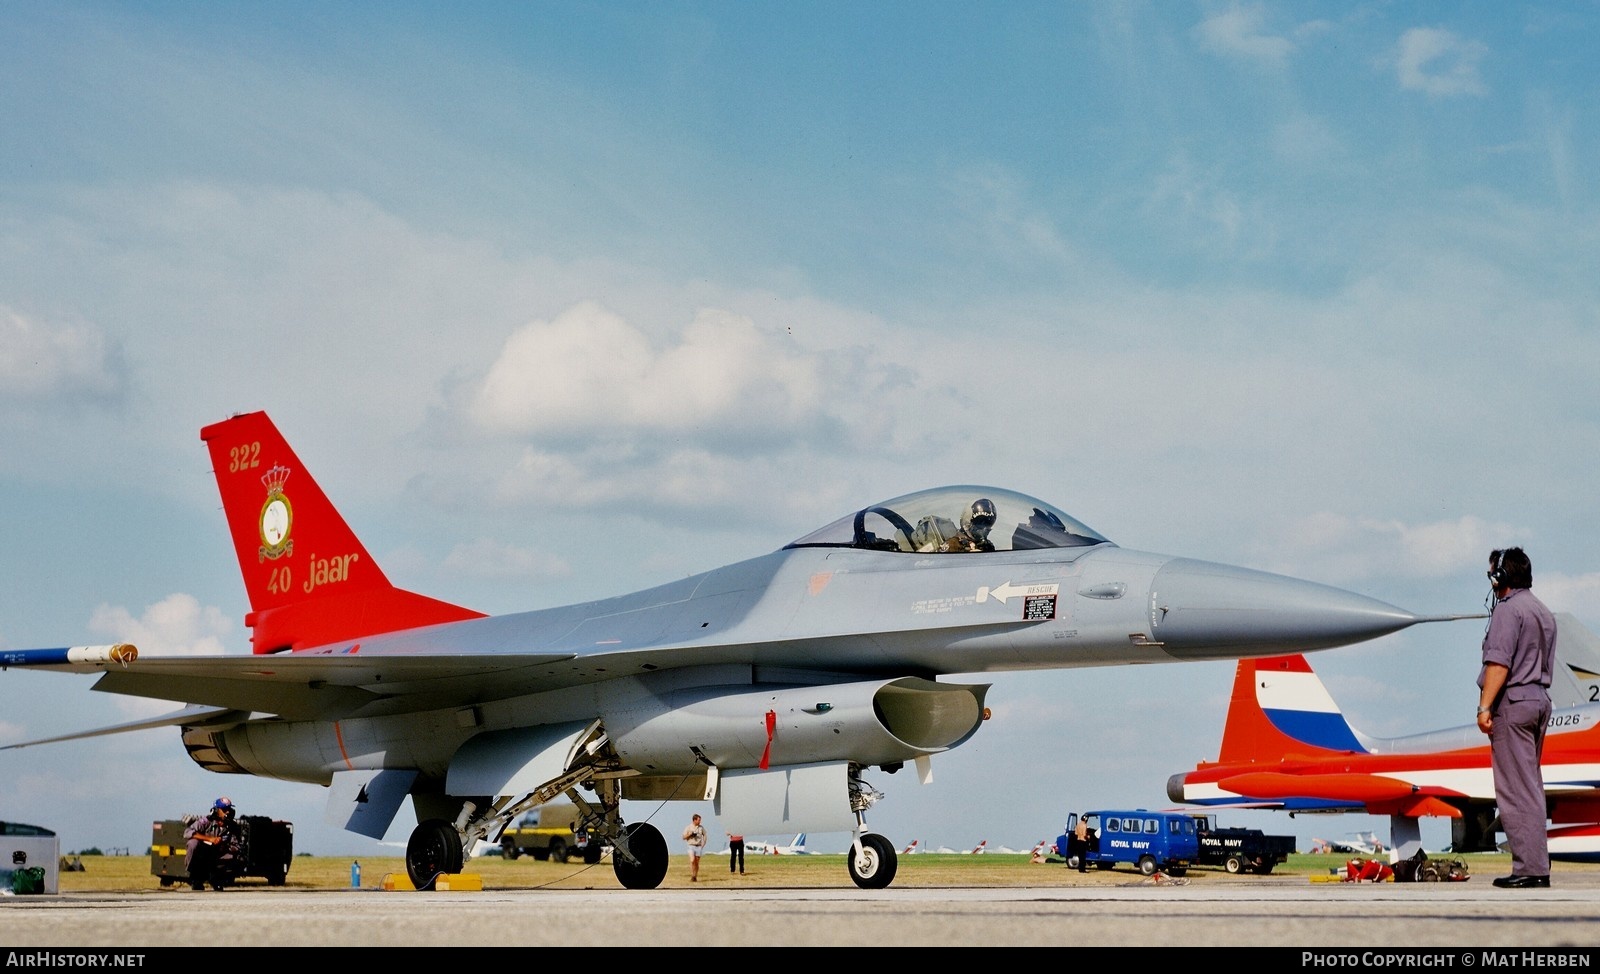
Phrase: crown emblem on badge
(274, 479)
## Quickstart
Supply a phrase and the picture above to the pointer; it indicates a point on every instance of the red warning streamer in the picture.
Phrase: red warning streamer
(772, 725)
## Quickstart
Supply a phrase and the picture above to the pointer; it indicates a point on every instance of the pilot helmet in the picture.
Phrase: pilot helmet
(978, 519)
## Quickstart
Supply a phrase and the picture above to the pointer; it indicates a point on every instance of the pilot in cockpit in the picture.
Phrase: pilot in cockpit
(976, 521)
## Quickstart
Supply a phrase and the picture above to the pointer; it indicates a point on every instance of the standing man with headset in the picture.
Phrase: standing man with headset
(1514, 709)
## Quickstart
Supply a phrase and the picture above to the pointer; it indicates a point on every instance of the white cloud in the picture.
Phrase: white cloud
(1306, 140)
(1353, 547)
(1436, 61)
(488, 558)
(1578, 594)
(178, 625)
(1237, 32)
(589, 372)
(40, 361)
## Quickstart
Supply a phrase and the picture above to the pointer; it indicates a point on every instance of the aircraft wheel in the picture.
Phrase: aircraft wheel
(650, 849)
(1234, 864)
(1147, 865)
(875, 867)
(558, 850)
(433, 850)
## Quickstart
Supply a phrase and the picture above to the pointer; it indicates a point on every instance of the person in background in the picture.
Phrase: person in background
(1080, 835)
(695, 834)
(735, 852)
(212, 843)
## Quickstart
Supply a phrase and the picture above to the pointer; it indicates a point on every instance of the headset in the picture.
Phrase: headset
(1497, 569)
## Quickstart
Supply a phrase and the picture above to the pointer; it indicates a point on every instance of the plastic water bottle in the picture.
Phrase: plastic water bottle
(355, 874)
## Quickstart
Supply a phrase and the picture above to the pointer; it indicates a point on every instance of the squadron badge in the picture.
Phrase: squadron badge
(277, 516)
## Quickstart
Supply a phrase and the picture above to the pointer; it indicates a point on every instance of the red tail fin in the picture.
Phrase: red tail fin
(309, 579)
(1247, 734)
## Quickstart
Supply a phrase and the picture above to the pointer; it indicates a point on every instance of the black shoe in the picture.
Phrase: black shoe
(1523, 882)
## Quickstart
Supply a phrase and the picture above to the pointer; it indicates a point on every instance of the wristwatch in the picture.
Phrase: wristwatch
(1483, 710)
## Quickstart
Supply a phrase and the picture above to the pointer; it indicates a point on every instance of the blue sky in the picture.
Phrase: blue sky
(560, 301)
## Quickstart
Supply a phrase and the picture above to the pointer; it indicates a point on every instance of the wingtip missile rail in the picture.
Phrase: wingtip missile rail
(123, 653)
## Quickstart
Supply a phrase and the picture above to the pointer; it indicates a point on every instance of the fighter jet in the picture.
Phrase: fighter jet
(770, 687)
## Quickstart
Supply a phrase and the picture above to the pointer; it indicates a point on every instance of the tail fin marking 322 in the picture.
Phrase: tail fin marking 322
(309, 579)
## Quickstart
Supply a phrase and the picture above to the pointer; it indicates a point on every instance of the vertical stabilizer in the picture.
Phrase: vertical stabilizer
(1279, 707)
(309, 579)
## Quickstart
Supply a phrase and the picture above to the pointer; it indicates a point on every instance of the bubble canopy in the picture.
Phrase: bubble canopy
(1021, 522)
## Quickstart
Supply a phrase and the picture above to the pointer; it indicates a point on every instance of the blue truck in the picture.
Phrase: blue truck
(1167, 842)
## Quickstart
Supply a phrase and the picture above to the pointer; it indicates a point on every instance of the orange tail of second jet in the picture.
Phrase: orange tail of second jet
(1280, 708)
(309, 579)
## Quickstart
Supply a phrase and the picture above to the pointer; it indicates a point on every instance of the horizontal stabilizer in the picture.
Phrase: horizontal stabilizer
(187, 717)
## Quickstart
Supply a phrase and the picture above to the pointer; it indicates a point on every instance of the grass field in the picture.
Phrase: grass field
(132, 873)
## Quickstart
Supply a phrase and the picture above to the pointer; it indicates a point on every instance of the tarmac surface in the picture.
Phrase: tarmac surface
(1459, 919)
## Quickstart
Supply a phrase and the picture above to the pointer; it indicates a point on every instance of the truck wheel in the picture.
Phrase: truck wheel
(1072, 862)
(875, 867)
(510, 851)
(1147, 865)
(591, 853)
(1264, 868)
(1234, 864)
(558, 850)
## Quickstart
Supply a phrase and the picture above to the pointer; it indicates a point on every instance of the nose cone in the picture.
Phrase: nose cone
(1203, 610)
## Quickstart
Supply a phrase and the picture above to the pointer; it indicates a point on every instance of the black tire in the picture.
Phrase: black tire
(510, 851)
(1234, 864)
(591, 852)
(558, 851)
(875, 867)
(1147, 865)
(1072, 862)
(433, 851)
(1179, 871)
(280, 875)
(1265, 868)
(650, 849)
